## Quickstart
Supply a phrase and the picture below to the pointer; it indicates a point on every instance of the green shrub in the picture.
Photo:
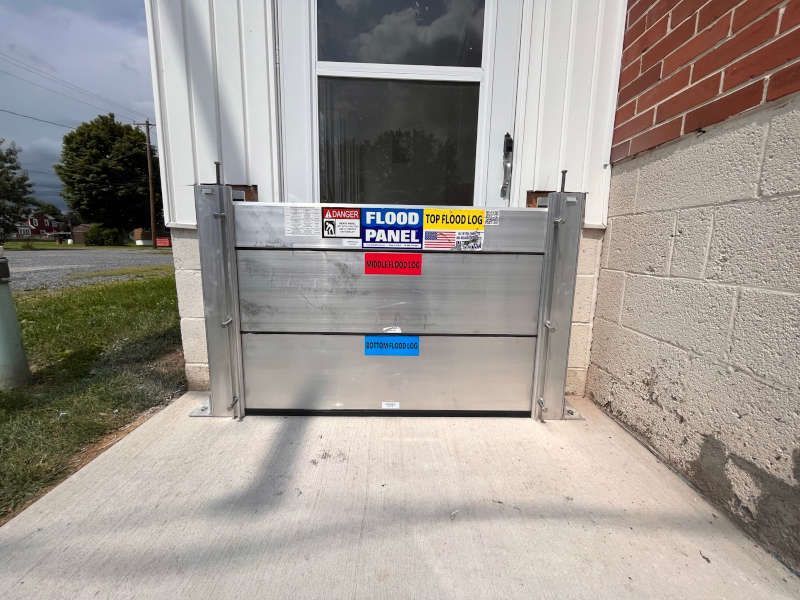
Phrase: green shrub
(97, 235)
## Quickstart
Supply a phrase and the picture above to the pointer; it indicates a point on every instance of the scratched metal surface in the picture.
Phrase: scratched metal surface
(328, 292)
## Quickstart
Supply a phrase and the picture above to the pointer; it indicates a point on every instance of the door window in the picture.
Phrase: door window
(404, 107)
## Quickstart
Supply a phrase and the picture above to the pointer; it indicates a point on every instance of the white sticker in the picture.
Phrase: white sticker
(390, 405)
(351, 243)
(492, 217)
(302, 220)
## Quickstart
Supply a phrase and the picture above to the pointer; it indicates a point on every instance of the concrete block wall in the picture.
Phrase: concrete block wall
(696, 342)
(583, 310)
(188, 281)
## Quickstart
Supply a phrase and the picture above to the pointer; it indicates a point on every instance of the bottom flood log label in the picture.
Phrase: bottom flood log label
(392, 263)
(391, 345)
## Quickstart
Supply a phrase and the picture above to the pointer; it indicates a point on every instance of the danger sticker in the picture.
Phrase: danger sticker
(392, 263)
(341, 222)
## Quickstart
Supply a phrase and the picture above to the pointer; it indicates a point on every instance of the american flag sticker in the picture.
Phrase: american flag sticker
(439, 240)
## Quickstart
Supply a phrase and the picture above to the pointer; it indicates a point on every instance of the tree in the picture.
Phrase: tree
(15, 190)
(104, 171)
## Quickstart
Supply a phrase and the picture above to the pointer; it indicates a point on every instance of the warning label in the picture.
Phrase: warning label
(392, 263)
(454, 229)
(391, 345)
(341, 222)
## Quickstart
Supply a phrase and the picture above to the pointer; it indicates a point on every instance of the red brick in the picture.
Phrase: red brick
(619, 152)
(702, 42)
(750, 11)
(725, 107)
(693, 96)
(645, 41)
(625, 112)
(636, 11)
(664, 89)
(713, 11)
(658, 10)
(656, 136)
(634, 126)
(673, 40)
(640, 84)
(629, 73)
(684, 10)
(633, 32)
(784, 82)
(747, 39)
(791, 17)
(776, 53)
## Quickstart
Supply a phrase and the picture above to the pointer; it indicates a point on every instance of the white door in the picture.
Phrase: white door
(397, 101)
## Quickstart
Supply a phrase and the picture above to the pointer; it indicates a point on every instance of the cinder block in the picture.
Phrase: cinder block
(189, 285)
(584, 298)
(606, 245)
(193, 335)
(717, 167)
(766, 336)
(608, 303)
(576, 382)
(589, 251)
(753, 421)
(692, 315)
(757, 244)
(579, 339)
(197, 377)
(622, 193)
(692, 236)
(641, 363)
(185, 249)
(640, 243)
(781, 170)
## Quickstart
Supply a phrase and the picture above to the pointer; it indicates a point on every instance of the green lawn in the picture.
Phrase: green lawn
(52, 245)
(100, 355)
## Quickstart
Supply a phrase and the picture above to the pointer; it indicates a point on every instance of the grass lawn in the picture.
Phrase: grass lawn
(100, 356)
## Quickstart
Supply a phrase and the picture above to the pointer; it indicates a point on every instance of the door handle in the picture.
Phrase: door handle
(508, 160)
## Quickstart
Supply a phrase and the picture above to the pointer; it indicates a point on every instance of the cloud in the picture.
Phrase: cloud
(100, 45)
(399, 33)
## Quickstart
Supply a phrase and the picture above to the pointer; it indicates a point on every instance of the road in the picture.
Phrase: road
(34, 269)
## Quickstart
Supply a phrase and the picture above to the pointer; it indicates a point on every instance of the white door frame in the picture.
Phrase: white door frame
(298, 70)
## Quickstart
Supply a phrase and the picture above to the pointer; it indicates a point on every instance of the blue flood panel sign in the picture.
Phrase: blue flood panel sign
(391, 345)
(391, 228)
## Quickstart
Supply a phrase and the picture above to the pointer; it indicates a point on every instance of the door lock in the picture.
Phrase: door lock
(508, 159)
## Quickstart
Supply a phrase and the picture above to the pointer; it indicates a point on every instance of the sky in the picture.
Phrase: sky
(97, 45)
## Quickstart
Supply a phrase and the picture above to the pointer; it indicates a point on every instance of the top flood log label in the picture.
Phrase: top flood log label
(391, 228)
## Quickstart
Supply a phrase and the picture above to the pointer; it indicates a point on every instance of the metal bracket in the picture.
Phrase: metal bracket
(204, 410)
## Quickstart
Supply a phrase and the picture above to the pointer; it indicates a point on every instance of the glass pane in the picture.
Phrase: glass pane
(397, 142)
(409, 32)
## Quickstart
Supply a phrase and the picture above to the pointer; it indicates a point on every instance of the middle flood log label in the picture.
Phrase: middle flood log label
(391, 228)
(392, 263)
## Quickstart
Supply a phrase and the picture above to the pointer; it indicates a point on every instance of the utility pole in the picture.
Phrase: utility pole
(151, 184)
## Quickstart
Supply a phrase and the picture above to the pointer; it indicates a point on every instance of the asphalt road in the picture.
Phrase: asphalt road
(34, 269)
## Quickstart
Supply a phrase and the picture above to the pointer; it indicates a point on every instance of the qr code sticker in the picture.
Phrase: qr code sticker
(492, 217)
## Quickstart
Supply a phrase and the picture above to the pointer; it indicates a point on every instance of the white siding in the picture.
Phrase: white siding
(213, 73)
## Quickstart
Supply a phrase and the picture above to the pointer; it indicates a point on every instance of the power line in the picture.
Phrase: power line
(42, 73)
(32, 118)
(60, 93)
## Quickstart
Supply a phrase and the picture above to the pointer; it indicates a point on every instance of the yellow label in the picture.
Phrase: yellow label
(454, 219)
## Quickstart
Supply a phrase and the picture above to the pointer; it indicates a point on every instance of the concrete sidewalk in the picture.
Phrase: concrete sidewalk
(332, 507)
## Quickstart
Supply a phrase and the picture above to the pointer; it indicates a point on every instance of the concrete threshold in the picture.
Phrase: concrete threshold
(347, 507)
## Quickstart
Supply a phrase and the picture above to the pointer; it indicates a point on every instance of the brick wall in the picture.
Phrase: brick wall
(687, 64)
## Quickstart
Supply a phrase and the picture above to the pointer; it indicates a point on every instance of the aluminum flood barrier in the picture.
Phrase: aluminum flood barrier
(387, 309)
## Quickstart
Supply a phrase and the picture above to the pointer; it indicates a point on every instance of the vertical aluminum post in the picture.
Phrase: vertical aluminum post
(215, 232)
(13, 363)
(565, 219)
